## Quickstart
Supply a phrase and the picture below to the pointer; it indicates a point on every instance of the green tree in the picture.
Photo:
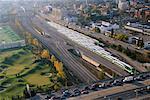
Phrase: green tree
(53, 58)
(140, 43)
(45, 54)
(121, 37)
(96, 30)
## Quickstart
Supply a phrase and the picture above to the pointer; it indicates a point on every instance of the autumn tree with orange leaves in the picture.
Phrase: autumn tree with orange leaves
(59, 67)
(45, 54)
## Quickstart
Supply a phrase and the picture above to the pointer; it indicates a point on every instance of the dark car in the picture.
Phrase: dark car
(138, 78)
(76, 92)
(117, 82)
(66, 94)
(86, 88)
(108, 84)
(146, 76)
(95, 86)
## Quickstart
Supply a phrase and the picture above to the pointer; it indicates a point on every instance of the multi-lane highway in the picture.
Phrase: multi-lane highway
(57, 46)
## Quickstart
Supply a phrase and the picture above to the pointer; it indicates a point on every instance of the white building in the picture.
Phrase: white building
(105, 26)
(71, 19)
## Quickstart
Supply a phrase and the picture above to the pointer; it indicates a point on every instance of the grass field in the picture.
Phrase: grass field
(8, 35)
(19, 62)
(36, 79)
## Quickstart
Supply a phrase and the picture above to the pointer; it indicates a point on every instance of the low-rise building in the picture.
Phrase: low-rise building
(134, 40)
(136, 27)
(71, 19)
(105, 26)
(142, 13)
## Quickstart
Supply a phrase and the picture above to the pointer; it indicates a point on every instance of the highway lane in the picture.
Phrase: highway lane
(78, 69)
(47, 28)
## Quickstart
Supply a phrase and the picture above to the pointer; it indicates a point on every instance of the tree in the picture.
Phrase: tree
(28, 37)
(112, 32)
(57, 86)
(119, 48)
(140, 43)
(53, 59)
(17, 23)
(59, 67)
(121, 37)
(35, 42)
(61, 72)
(45, 54)
(96, 30)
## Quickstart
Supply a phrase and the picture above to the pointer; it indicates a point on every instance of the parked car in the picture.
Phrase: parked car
(84, 92)
(86, 88)
(117, 82)
(76, 92)
(95, 86)
(102, 85)
(128, 79)
(54, 98)
(148, 88)
(138, 78)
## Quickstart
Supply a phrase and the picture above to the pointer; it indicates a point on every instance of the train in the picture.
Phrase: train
(144, 31)
(114, 60)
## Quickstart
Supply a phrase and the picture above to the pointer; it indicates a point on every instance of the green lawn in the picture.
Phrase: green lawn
(38, 79)
(20, 62)
(8, 35)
